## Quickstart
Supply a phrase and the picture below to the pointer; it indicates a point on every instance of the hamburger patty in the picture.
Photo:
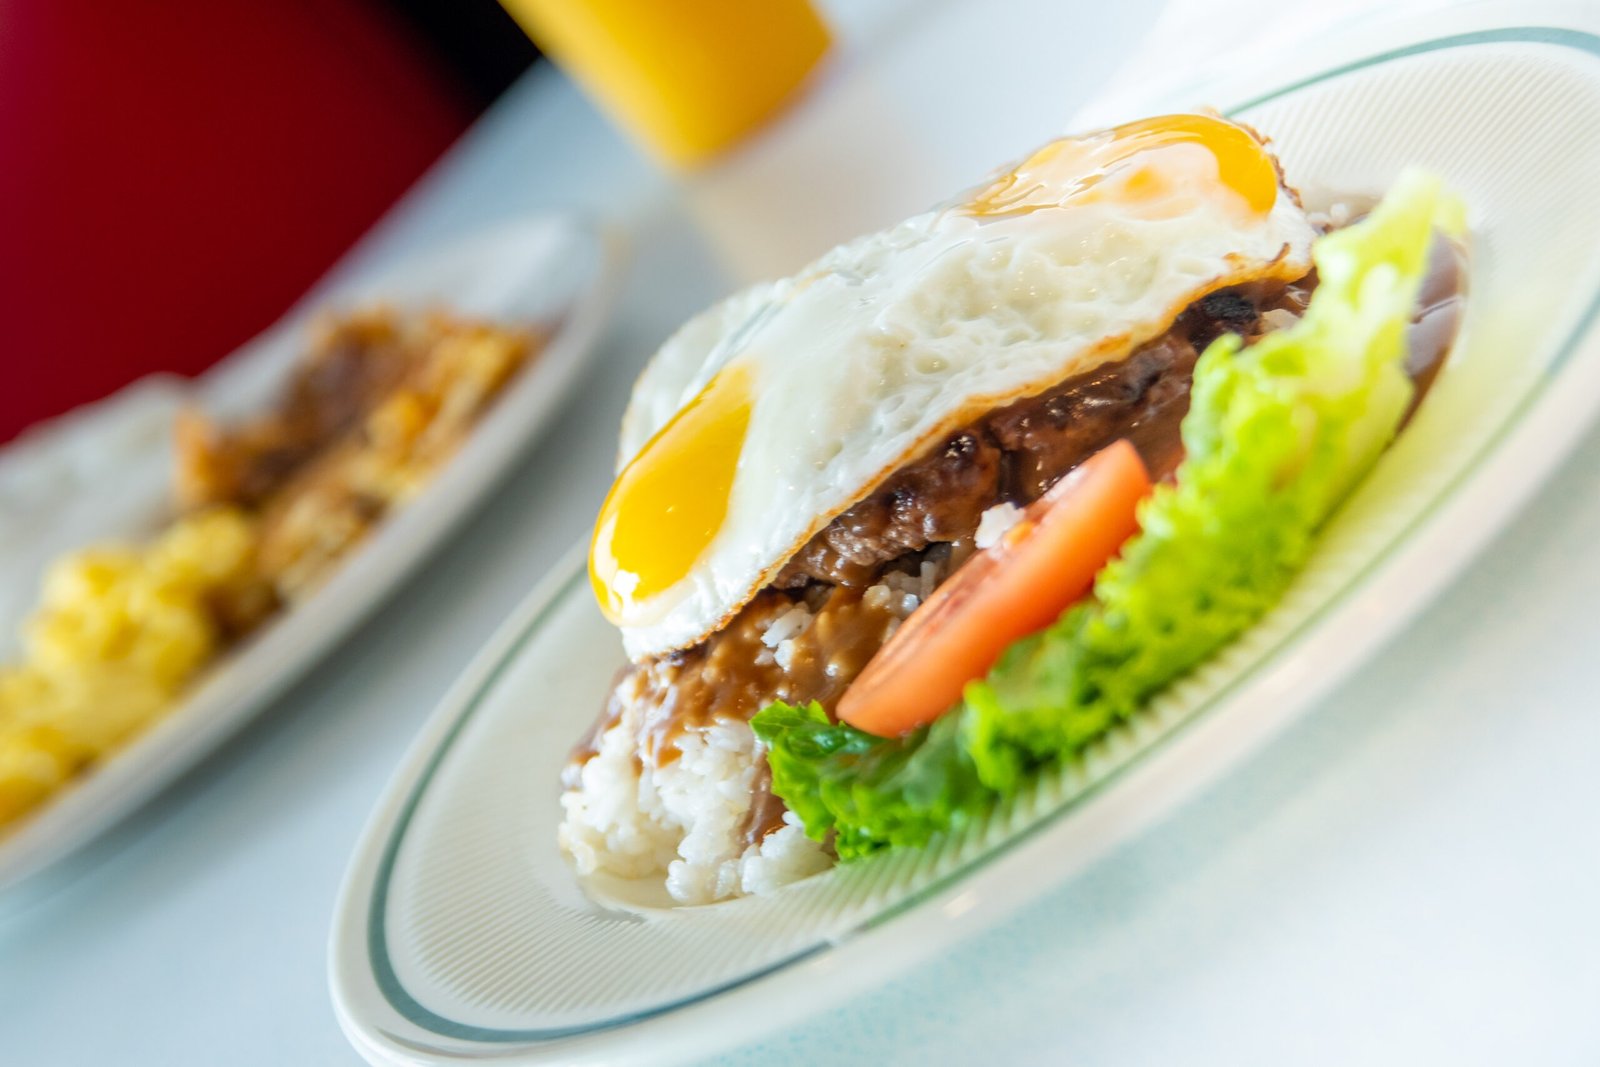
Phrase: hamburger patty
(1016, 452)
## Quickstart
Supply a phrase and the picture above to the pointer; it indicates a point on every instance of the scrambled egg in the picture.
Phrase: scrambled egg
(119, 631)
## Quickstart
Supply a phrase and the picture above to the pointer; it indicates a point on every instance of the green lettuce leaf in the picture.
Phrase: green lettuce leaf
(1277, 435)
(869, 791)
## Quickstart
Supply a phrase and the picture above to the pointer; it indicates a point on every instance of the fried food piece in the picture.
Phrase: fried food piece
(378, 406)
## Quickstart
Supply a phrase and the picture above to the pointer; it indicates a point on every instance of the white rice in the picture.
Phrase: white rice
(993, 524)
(780, 635)
(684, 820)
(1279, 318)
(791, 623)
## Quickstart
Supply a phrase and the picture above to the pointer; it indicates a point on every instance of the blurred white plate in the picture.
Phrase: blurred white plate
(461, 935)
(103, 472)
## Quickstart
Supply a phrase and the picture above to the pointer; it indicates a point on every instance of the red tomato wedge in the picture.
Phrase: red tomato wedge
(1016, 587)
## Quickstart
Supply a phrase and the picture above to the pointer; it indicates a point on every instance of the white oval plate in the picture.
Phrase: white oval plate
(103, 472)
(462, 935)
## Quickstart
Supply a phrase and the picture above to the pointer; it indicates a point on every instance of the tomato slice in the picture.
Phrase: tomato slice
(1017, 586)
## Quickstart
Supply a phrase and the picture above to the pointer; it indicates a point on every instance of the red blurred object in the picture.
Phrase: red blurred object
(173, 175)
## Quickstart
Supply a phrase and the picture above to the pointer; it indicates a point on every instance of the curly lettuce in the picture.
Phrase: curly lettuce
(1277, 435)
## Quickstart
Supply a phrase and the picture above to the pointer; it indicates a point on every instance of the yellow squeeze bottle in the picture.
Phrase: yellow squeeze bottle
(686, 77)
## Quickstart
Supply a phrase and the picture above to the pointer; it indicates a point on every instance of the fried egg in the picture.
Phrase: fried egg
(766, 416)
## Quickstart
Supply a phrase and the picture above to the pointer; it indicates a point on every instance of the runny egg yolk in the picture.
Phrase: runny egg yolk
(1068, 169)
(669, 501)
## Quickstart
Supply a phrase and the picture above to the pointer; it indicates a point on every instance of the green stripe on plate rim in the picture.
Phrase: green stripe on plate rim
(409, 1008)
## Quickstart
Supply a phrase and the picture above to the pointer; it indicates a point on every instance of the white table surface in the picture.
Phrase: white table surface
(1410, 876)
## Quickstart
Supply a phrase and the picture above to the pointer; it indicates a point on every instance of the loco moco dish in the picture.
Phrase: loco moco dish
(942, 508)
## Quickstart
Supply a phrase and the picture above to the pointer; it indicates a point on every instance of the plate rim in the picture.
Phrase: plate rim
(203, 719)
(1508, 467)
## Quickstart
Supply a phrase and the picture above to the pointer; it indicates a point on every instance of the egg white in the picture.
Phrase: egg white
(879, 349)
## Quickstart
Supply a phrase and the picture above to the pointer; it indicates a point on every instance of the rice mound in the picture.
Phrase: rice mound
(686, 817)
